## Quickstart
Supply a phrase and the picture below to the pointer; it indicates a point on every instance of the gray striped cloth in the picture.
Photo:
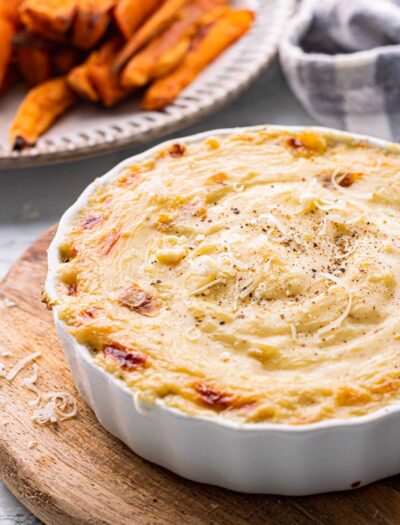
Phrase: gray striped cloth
(342, 60)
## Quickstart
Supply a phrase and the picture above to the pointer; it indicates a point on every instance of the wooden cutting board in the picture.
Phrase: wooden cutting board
(79, 474)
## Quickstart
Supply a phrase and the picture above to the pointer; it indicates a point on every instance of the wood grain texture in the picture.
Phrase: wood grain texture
(78, 474)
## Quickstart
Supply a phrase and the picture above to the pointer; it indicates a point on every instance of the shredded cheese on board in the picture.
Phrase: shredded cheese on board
(4, 352)
(59, 406)
(16, 369)
(56, 403)
(29, 383)
(7, 303)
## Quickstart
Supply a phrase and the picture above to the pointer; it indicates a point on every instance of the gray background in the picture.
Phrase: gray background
(33, 199)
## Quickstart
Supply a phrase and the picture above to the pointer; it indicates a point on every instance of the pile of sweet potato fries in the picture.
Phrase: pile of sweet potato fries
(105, 50)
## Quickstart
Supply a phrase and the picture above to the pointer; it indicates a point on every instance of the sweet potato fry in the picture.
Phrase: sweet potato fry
(39, 109)
(105, 83)
(65, 59)
(10, 9)
(50, 18)
(210, 41)
(93, 79)
(36, 27)
(167, 50)
(7, 32)
(140, 70)
(91, 22)
(168, 12)
(78, 79)
(34, 64)
(34, 57)
(129, 14)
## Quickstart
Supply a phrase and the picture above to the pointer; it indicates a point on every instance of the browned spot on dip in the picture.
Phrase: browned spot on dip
(293, 142)
(72, 288)
(347, 179)
(211, 396)
(177, 150)
(139, 301)
(127, 359)
(90, 313)
(218, 178)
(110, 241)
(91, 220)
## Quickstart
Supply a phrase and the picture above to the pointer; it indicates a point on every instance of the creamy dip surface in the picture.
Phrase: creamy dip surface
(252, 276)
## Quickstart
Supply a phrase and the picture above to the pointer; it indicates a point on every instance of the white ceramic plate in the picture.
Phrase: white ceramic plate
(89, 129)
(330, 455)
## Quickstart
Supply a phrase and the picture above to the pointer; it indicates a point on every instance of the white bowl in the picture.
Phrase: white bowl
(261, 458)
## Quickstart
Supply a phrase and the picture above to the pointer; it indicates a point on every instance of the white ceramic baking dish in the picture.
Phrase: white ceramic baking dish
(261, 458)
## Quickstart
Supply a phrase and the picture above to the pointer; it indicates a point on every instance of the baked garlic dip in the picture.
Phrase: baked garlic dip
(250, 276)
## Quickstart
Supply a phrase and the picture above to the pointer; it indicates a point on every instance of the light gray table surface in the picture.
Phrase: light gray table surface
(33, 199)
